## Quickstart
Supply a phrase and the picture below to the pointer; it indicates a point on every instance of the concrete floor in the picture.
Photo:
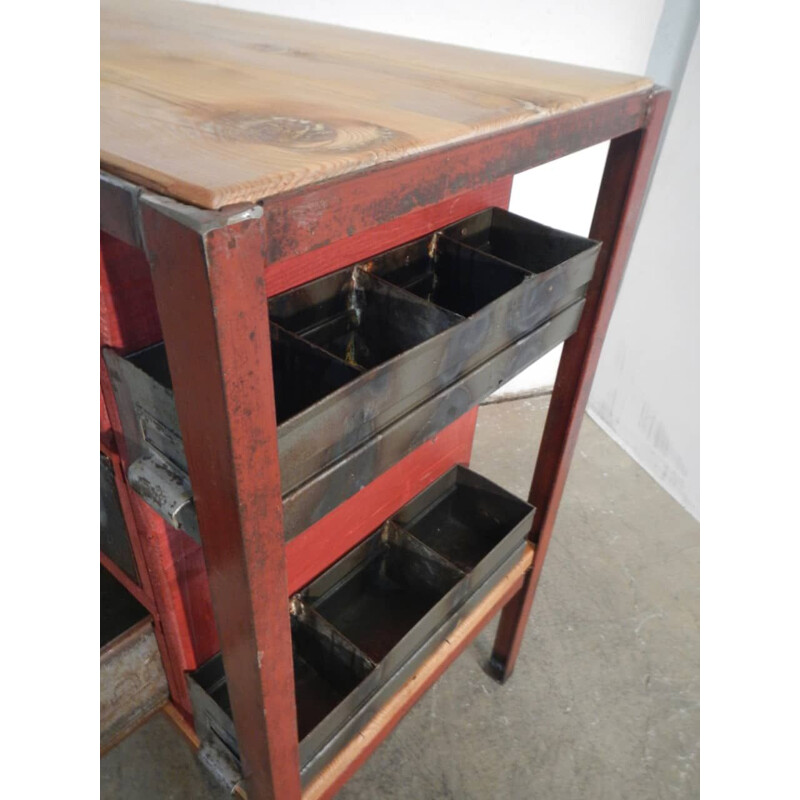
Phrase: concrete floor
(604, 700)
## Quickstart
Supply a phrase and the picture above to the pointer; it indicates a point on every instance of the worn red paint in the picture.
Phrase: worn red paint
(128, 316)
(212, 295)
(315, 217)
(329, 539)
(619, 204)
(211, 298)
(107, 444)
(298, 269)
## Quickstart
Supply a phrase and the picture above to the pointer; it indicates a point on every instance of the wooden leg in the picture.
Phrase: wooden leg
(212, 304)
(619, 203)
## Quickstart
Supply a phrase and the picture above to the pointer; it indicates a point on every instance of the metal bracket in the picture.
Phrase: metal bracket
(120, 211)
(220, 763)
(167, 490)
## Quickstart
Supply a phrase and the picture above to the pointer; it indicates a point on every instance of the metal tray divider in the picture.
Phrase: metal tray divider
(293, 337)
(361, 716)
(315, 623)
(407, 540)
(530, 274)
(425, 501)
(300, 511)
(367, 685)
(433, 251)
(584, 243)
(447, 603)
(571, 284)
(305, 611)
(360, 281)
(317, 626)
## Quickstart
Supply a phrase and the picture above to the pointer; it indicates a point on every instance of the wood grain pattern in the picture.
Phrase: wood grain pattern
(215, 106)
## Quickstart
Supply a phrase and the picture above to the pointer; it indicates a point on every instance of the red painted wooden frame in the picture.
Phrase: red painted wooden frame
(211, 290)
(129, 321)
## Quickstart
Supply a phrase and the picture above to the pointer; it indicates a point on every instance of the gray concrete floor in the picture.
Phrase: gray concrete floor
(604, 700)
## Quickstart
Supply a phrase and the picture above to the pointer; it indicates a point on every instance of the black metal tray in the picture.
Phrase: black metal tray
(358, 318)
(371, 344)
(381, 609)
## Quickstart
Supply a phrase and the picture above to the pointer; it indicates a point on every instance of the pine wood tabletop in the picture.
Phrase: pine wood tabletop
(214, 106)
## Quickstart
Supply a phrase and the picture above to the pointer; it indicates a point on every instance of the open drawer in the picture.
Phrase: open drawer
(359, 352)
(372, 617)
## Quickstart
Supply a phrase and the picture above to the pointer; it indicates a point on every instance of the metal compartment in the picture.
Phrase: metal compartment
(354, 471)
(326, 670)
(529, 245)
(375, 615)
(560, 264)
(457, 278)
(379, 596)
(465, 519)
(302, 376)
(358, 318)
(399, 320)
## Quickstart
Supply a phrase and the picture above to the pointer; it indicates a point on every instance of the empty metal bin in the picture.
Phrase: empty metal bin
(368, 621)
(372, 346)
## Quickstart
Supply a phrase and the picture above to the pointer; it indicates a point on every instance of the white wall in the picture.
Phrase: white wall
(646, 392)
(612, 34)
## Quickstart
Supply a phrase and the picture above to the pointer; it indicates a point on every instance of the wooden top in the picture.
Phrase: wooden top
(215, 106)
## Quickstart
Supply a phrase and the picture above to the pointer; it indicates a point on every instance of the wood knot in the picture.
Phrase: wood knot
(297, 133)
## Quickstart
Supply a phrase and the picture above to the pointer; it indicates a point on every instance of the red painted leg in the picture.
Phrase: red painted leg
(619, 203)
(212, 303)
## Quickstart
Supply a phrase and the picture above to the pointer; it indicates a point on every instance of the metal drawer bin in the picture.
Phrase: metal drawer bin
(362, 627)
(358, 318)
(465, 519)
(303, 375)
(562, 263)
(423, 331)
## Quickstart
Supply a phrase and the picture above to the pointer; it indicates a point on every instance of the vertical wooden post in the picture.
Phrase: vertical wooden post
(212, 303)
(619, 203)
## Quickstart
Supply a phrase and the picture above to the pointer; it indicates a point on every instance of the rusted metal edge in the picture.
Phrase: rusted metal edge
(171, 712)
(448, 149)
(120, 211)
(377, 195)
